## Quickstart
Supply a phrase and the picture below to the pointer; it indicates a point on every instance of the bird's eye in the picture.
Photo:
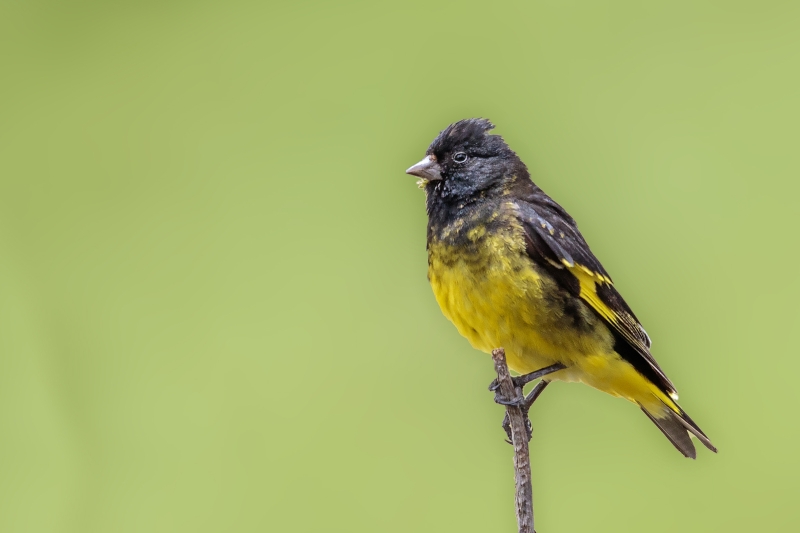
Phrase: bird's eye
(460, 157)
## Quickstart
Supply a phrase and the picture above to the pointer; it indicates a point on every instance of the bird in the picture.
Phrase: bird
(509, 268)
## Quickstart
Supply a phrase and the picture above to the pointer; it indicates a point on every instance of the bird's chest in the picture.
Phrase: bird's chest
(482, 280)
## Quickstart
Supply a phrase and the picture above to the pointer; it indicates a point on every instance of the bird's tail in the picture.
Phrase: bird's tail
(677, 427)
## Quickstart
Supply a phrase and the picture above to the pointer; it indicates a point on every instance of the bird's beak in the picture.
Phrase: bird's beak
(427, 169)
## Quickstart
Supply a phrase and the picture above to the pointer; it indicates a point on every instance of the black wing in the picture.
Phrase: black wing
(555, 242)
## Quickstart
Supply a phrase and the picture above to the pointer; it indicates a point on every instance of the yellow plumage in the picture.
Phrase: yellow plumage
(497, 297)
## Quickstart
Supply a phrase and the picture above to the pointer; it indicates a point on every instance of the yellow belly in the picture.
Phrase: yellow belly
(496, 297)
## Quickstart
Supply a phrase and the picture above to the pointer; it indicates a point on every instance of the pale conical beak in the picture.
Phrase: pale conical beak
(427, 169)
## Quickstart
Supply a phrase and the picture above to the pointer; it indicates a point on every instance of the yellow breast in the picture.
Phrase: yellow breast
(496, 296)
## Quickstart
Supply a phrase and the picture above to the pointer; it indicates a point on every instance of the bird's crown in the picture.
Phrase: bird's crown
(463, 134)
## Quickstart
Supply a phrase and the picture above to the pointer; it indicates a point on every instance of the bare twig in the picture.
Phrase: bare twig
(519, 438)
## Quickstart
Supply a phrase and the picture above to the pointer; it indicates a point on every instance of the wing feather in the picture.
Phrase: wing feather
(554, 237)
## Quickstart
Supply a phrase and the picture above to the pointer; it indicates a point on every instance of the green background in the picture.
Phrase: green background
(214, 313)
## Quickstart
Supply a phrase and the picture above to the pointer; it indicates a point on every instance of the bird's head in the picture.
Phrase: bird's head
(465, 160)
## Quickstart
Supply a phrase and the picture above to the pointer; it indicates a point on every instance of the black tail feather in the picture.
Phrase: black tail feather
(677, 427)
(675, 431)
(689, 424)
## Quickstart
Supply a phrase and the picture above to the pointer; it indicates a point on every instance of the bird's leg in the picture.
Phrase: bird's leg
(526, 405)
(520, 382)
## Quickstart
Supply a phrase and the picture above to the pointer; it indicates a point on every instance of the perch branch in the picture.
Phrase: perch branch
(519, 438)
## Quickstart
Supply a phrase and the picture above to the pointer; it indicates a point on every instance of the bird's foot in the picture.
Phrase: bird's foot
(500, 398)
(526, 405)
(517, 401)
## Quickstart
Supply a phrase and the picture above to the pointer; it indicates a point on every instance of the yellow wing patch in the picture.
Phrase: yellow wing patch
(588, 292)
(588, 281)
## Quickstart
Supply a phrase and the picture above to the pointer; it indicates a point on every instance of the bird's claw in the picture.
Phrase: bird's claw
(494, 387)
(519, 401)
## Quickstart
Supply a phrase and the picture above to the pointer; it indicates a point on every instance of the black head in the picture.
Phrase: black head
(465, 160)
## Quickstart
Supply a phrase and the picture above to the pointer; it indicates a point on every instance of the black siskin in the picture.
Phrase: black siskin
(510, 269)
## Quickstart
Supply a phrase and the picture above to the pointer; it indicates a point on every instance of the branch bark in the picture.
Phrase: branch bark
(519, 438)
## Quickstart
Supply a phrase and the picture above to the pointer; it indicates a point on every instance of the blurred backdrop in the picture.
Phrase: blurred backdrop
(214, 313)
